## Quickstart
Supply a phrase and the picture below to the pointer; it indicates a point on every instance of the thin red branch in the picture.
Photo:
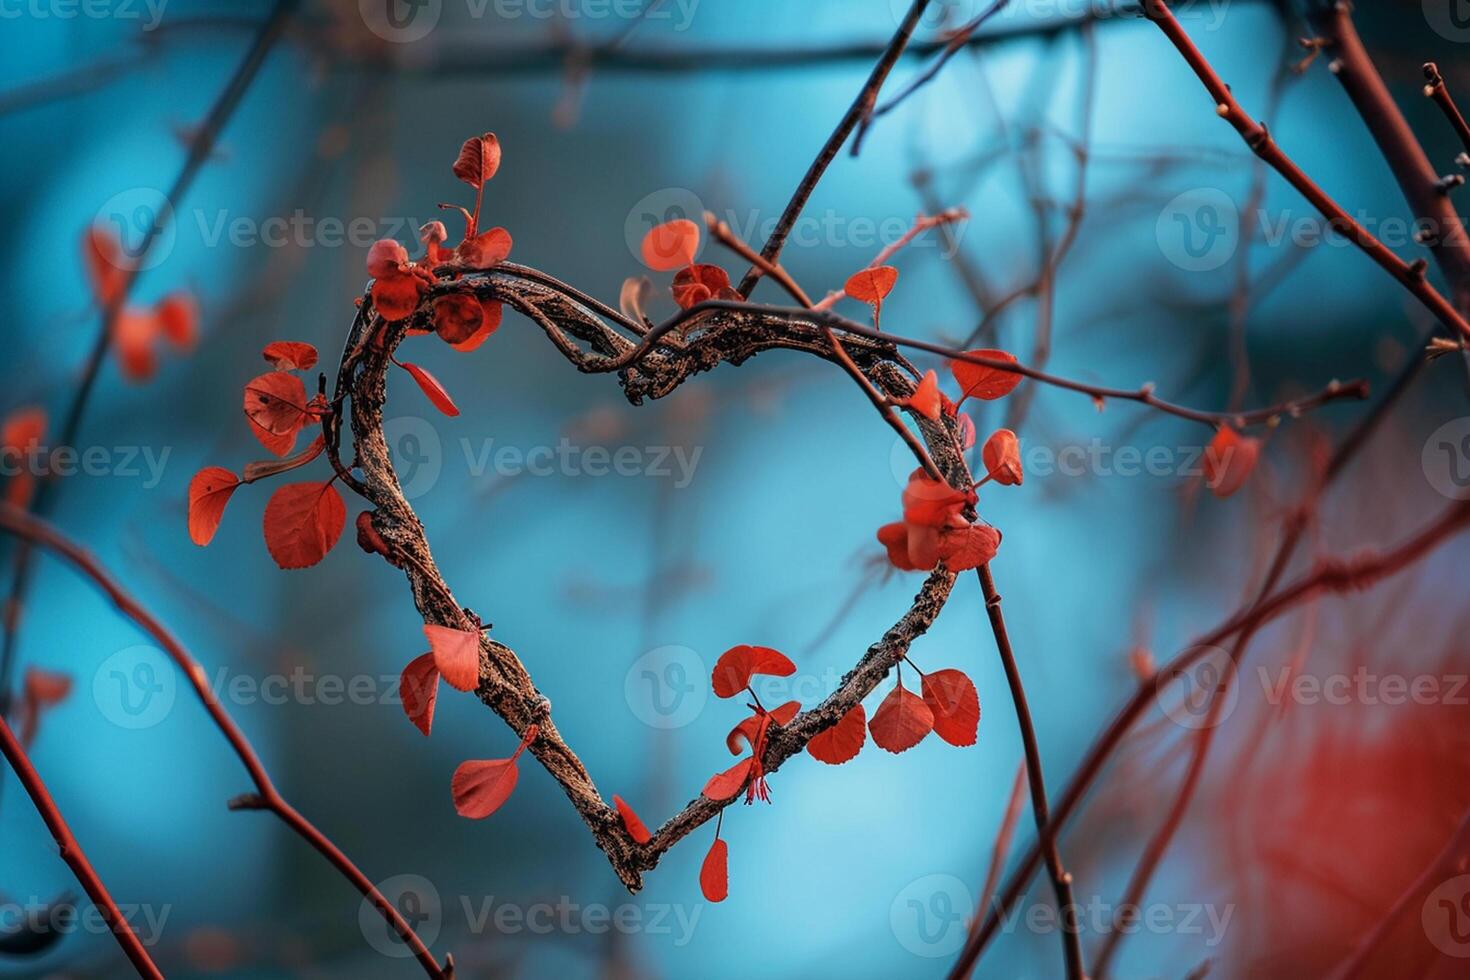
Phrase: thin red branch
(74, 856)
(266, 797)
(1435, 89)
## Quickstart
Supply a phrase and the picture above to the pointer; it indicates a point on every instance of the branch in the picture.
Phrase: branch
(1411, 276)
(74, 856)
(266, 797)
(1435, 89)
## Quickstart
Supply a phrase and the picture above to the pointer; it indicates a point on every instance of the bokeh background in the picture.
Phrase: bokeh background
(750, 518)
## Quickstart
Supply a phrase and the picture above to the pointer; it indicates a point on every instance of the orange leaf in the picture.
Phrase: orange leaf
(1229, 460)
(24, 429)
(418, 689)
(736, 665)
(714, 873)
(986, 383)
(432, 388)
(302, 523)
(930, 502)
(696, 283)
(480, 788)
(290, 355)
(275, 403)
(631, 823)
(178, 318)
(901, 721)
(106, 264)
(457, 655)
(749, 729)
(671, 245)
(726, 784)
(952, 700)
(1002, 457)
(484, 250)
(133, 334)
(871, 284)
(209, 492)
(895, 537)
(964, 548)
(397, 296)
(479, 158)
(841, 742)
(926, 399)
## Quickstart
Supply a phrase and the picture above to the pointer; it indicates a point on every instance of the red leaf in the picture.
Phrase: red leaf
(987, 383)
(671, 245)
(1002, 457)
(925, 400)
(631, 823)
(479, 158)
(749, 729)
(106, 264)
(841, 742)
(395, 297)
(485, 250)
(24, 429)
(1229, 460)
(275, 403)
(457, 317)
(457, 655)
(714, 873)
(952, 700)
(871, 284)
(418, 689)
(432, 388)
(133, 334)
(964, 548)
(931, 503)
(42, 689)
(290, 355)
(901, 721)
(480, 788)
(387, 259)
(736, 665)
(209, 492)
(491, 314)
(726, 784)
(696, 283)
(178, 318)
(895, 537)
(302, 523)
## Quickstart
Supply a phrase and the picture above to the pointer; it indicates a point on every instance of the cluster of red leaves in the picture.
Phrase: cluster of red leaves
(20, 436)
(137, 331)
(934, 529)
(303, 521)
(673, 245)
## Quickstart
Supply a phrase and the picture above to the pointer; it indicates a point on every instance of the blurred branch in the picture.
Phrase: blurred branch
(266, 797)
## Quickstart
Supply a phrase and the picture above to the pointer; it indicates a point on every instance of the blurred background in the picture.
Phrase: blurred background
(747, 507)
